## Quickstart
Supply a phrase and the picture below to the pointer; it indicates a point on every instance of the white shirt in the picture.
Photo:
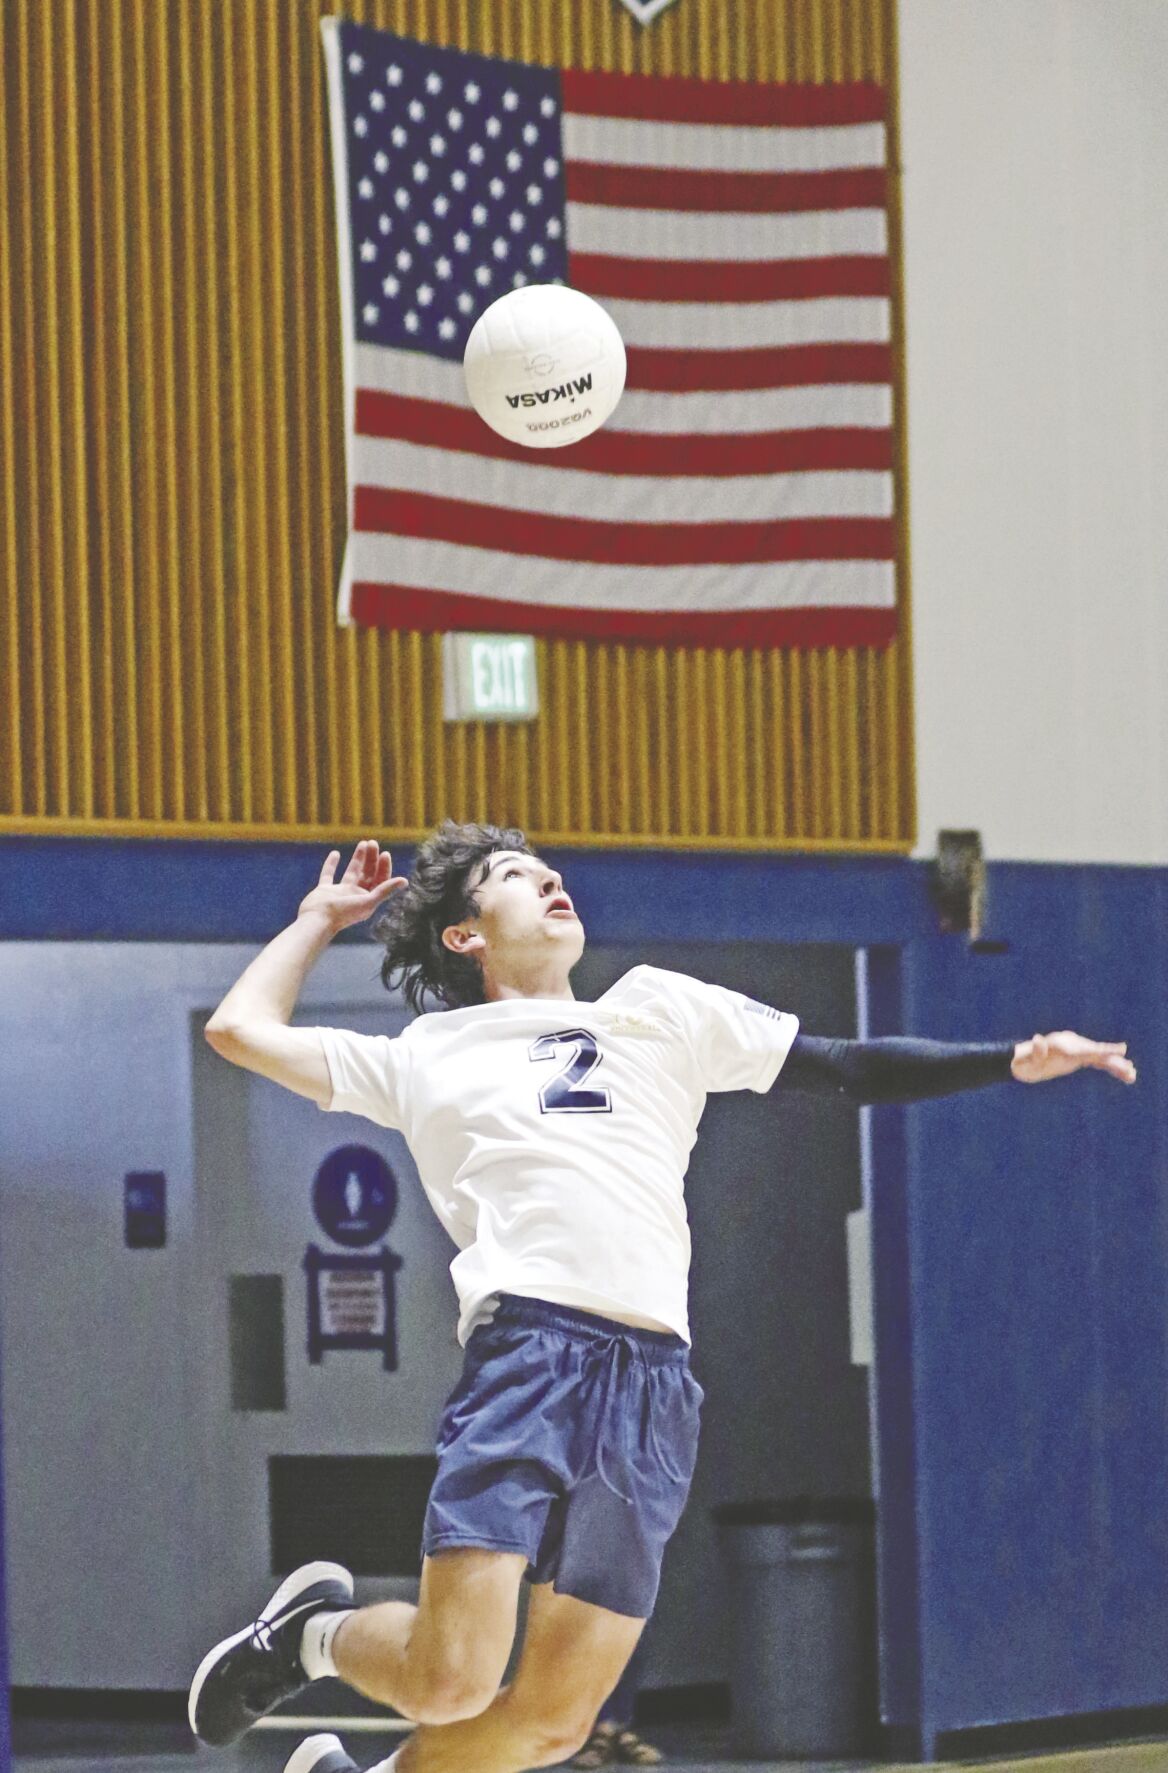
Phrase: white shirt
(552, 1136)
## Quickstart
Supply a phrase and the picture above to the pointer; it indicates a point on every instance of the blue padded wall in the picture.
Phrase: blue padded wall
(1037, 1240)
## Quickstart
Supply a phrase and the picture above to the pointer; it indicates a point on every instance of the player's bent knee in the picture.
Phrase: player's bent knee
(447, 1697)
(552, 1731)
(556, 1742)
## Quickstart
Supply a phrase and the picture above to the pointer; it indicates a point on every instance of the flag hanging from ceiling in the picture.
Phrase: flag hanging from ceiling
(742, 493)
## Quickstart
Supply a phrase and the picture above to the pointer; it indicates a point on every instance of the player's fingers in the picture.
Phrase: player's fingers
(329, 867)
(356, 862)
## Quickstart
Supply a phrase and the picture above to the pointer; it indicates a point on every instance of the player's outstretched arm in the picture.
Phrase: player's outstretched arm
(250, 1026)
(898, 1069)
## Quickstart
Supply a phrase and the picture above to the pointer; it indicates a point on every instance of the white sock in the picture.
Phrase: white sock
(316, 1643)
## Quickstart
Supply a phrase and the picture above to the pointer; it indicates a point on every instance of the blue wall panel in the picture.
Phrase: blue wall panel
(1037, 1247)
(106, 889)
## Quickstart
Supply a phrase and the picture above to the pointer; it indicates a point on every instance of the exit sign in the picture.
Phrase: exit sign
(489, 677)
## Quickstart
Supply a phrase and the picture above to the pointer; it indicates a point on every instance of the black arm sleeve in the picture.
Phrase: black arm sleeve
(893, 1070)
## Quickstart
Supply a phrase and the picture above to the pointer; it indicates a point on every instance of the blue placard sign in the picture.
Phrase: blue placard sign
(144, 1194)
(354, 1196)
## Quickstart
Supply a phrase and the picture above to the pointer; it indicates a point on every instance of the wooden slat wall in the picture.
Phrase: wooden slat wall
(172, 479)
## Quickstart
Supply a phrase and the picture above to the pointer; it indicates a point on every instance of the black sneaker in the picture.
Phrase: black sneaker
(249, 1673)
(321, 1754)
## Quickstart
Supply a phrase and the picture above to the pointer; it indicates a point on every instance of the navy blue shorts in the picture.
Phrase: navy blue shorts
(571, 1439)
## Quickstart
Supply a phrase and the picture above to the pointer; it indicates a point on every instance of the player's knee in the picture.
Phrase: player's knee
(448, 1694)
(552, 1730)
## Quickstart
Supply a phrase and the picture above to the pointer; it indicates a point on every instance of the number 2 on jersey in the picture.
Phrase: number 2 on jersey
(566, 1094)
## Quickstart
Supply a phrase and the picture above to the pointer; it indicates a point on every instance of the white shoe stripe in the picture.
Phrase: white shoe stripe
(304, 1578)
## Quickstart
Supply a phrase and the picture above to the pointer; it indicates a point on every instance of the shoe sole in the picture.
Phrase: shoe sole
(290, 1590)
(313, 1753)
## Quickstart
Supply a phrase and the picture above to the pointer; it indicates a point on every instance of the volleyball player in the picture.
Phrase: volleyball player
(551, 1137)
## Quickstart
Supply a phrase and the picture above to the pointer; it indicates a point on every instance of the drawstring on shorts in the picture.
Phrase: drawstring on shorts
(610, 1350)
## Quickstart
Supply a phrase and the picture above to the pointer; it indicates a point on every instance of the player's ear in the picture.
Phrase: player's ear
(460, 940)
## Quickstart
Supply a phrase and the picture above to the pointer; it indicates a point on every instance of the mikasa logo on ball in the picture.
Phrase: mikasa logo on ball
(565, 391)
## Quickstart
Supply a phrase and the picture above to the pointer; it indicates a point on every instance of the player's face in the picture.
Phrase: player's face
(522, 903)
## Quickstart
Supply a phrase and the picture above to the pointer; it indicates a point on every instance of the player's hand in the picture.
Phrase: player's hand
(366, 883)
(1057, 1055)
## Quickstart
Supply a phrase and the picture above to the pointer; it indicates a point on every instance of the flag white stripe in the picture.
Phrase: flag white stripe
(700, 234)
(413, 373)
(568, 492)
(421, 377)
(523, 578)
(747, 326)
(754, 409)
(721, 147)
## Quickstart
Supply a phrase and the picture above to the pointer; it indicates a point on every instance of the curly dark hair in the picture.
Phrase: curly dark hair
(411, 925)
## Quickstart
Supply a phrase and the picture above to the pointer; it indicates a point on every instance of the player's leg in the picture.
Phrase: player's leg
(484, 1522)
(443, 1659)
(573, 1656)
(440, 1660)
(617, 1411)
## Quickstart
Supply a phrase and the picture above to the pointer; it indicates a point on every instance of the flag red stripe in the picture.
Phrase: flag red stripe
(437, 426)
(717, 280)
(384, 511)
(428, 612)
(674, 99)
(750, 193)
(777, 366)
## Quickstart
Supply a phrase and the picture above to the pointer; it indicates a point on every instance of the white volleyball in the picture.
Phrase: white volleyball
(544, 365)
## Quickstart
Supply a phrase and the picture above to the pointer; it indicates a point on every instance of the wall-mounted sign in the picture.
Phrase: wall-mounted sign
(645, 11)
(354, 1196)
(352, 1303)
(145, 1210)
(489, 677)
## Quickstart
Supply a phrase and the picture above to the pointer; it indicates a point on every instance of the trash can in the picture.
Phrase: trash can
(803, 1599)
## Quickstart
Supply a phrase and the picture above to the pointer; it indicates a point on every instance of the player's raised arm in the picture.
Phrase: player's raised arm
(904, 1070)
(250, 1026)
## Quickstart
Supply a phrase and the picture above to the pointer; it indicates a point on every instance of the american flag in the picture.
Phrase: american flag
(741, 494)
